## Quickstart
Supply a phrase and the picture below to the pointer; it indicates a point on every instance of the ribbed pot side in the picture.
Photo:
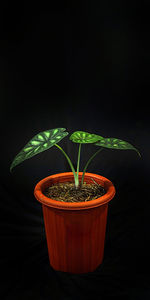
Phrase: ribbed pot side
(75, 232)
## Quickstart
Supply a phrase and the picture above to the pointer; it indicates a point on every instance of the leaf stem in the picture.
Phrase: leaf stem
(88, 164)
(70, 164)
(78, 162)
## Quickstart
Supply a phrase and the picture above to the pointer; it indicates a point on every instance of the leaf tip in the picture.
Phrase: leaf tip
(10, 169)
(139, 154)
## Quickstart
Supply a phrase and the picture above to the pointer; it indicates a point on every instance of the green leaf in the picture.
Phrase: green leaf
(39, 143)
(115, 143)
(82, 137)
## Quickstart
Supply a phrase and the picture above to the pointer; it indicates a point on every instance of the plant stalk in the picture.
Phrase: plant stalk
(78, 164)
(88, 164)
(70, 164)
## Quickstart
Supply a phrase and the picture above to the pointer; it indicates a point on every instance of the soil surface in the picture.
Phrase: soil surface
(67, 192)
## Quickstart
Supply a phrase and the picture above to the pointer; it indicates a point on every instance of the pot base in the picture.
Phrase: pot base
(78, 245)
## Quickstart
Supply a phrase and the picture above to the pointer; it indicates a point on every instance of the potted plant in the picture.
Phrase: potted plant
(75, 204)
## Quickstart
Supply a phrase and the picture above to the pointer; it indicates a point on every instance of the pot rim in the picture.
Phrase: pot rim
(107, 184)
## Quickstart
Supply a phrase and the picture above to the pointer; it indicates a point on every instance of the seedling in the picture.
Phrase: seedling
(49, 138)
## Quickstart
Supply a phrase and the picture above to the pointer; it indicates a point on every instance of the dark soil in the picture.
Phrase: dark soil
(67, 192)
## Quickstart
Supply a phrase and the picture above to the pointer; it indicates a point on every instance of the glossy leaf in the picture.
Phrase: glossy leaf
(39, 143)
(82, 137)
(115, 143)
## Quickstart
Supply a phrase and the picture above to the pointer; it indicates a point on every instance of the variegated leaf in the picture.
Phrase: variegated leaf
(82, 137)
(39, 143)
(115, 143)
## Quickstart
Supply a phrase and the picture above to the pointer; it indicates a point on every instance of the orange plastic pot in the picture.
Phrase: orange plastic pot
(75, 232)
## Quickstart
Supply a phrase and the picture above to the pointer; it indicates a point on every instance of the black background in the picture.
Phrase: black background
(82, 65)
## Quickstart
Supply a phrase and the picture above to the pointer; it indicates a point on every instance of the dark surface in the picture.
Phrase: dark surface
(82, 66)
